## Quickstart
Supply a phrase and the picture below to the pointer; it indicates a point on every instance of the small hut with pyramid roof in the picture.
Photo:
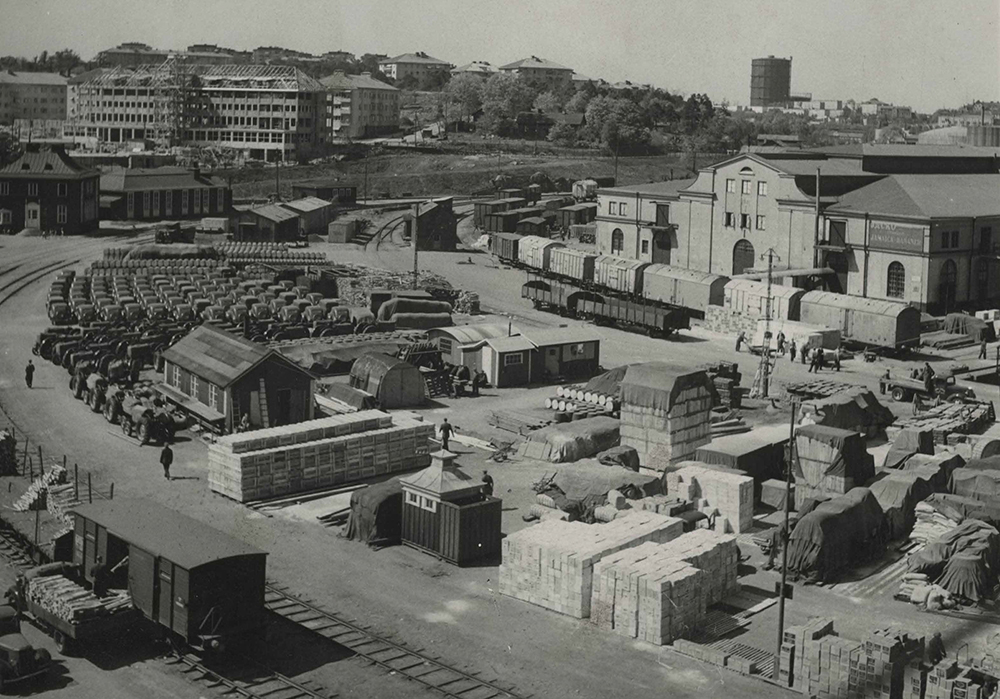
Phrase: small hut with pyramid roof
(445, 513)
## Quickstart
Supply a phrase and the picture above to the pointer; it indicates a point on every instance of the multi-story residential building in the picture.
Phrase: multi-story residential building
(875, 107)
(540, 71)
(264, 111)
(31, 96)
(419, 65)
(47, 190)
(134, 54)
(481, 69)
(359, 106)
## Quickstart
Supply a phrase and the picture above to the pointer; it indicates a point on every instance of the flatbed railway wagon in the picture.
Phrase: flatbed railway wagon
(605, 309)
(202, 586)
(873, 323)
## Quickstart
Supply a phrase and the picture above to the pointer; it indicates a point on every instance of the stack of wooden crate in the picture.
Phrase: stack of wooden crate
(317, 454)
(817, 450)
(551, 564)
(933, 682)
(795, 667)
(660, 592)
(662, 437)
(728, 492)
(877, 670)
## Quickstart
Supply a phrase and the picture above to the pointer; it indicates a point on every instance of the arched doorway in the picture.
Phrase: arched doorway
(617, 241)
(948, 285)
(743, 256)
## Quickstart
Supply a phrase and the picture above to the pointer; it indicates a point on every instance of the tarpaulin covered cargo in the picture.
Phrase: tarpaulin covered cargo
(971, 536)
(974, 328)
(990, 463)
(404, 305)
(942, 465)
(658, 385)
(960, 508)
(609, 382)
(749, 298)
(972, 483)
(898, 494)
(836, 535)
(574, 264)
(393, 382)
(965, 575)
(535, 252)
(571, 441)
(376, 516)
(626, 457)
(906, 444)
(589, 477)
(683, 287)
(828, 451)
(421, 321)
(868, 321)
(856, 409)
(759, 455)
(620, 274)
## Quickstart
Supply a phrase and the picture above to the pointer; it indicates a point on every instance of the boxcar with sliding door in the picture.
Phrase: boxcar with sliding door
(203, 586)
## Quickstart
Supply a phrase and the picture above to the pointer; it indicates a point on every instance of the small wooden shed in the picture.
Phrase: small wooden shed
(445, 513)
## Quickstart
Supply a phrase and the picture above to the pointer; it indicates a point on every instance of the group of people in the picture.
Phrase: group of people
(477, 381)
(816, 356)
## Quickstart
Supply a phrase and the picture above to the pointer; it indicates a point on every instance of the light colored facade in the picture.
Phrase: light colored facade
(32, 96)
(540, 71)
(265, 112)
(481, 69)
(359, 106)
(419, 65)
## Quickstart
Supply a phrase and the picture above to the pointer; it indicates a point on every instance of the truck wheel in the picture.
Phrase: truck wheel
(63, 642)
(898, 394)
(126, 427)
(142, 432)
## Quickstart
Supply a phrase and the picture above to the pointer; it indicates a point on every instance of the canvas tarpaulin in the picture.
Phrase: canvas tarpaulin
(944, 463)
(846, 455)
(626, 457)
(376, 515)
(981, 485)
(898, 494)
(960, 508)
(837, 534)
(591, 478)
(990, 463)
(962, 324)
(906, 444)
(571, 441)
(970, 537)
(856, 409)
(608, 383)
(965, 575)
(755, 453)
(657, 385)
(403, 305)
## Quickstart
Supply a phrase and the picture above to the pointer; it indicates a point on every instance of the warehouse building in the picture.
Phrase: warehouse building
(162, 193)
(46, 189)
(220, 377)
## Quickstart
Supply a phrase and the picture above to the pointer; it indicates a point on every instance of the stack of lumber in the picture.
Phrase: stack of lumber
(62, 499)
(725, 378)
(930, 524)
(728, 492)
(730, 423)
(36, 496)
(947, 419)
(665, 437)
(519, 423)
(551, 564)
(817, 388)
(317, 454)
(73, 603)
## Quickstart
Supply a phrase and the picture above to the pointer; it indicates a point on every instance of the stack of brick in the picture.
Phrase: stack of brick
(659, 592)
(665, 413)
(727, 492)
(725, 321)
(935, 682)
(878, 670)
(551, 564)
(317, 454)
(726, 379)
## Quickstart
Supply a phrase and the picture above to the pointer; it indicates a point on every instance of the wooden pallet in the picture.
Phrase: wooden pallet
(818, 388)
(518, 423)
(764, 660)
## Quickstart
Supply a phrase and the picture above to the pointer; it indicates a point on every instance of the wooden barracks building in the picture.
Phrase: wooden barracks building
(909, 223)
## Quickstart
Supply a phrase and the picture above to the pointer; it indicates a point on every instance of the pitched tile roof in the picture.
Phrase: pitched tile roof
(346, 81)
(216, 355)
(535, 62)
(17, 77)
(121, 179)
(418, 57)
(45, 161)
(926, 196)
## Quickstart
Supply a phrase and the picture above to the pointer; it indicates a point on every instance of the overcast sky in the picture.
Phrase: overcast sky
(923, 53)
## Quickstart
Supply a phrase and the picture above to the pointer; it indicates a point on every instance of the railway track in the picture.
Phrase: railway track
(242, 677)
(392, 656)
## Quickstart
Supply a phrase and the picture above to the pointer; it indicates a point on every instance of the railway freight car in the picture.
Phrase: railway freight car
(506, 247)
(571, 264)
(749, 297)
(693, 290)
(506, 221)
(202, 586)
(484, 208)
(619, 274)
(535, 252)
(533, 225)
(576, 214)
(568, 300)
(864, 322)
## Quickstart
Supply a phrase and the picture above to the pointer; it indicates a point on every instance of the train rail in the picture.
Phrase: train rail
(30, 277)
(245, 678)
(392, 656)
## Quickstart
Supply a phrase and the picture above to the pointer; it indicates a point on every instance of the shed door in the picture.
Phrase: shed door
(487, 359)
(166, 592)
(552, 360)
(90, 552)
(32, 215)
(283, 414)
(142, 581)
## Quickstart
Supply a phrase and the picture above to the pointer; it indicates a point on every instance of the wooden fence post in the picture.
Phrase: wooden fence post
(76, 482)
(111, 494)
(25, 468)
(64, 462)
(41, 464)
(90, 488)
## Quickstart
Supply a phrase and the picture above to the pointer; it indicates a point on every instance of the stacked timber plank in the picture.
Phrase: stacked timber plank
(817, 388)
(61, 500)
(726, 379)
(947, 419)
(519, 423)
(551, 564)
(728, 492)
(36, 496)
(73, 603)
(317, 454)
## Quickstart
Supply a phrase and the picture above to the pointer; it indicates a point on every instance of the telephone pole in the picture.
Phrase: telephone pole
(762, 380)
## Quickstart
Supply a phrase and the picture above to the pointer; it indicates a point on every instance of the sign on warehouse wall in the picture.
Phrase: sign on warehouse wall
(895, 236)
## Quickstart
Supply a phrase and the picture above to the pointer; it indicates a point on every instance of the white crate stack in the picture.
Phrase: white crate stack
(664, 438)
(317, 454)
(551, 564)
(659, 592)
(729, 493)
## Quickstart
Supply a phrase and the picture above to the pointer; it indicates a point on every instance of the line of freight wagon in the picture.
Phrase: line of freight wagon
(660, 299)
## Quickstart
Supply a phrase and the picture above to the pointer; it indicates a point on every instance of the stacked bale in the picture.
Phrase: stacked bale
(729, 492)
(552, 563)
(665, 412)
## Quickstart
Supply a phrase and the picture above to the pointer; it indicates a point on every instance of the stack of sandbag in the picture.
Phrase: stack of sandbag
(932, 521)
(963, 561)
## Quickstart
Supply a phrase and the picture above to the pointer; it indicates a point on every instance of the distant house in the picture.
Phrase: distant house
(359, 106)
(418, 64)
(162, 193)
(481, 69)
(314, 214)
(540, 71)
(271, 223)
(48, 190)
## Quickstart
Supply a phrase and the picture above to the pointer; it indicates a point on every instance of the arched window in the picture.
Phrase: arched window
(743, 256)
(895, 280)
(617, 241)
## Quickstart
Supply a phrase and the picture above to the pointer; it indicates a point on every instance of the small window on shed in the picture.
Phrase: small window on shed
(512, 359)
(895, 284)
(444, 344)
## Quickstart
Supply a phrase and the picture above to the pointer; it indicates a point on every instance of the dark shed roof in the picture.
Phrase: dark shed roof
(46, 161)
(164, 532)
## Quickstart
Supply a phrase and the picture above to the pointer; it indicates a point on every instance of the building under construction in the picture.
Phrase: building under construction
(267, 112)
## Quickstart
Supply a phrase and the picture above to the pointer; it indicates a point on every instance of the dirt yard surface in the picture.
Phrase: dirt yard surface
(454, 613)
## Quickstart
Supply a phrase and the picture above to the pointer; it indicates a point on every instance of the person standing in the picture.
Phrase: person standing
(487, 484)
(805, 352)
(836, 358)
(982, 349)
(791, 350)
(935, 649)
(99, 575)
(29, 373)
(166, 459)
(781, 342)
(928, 378)
(740, 339)
(446, 429)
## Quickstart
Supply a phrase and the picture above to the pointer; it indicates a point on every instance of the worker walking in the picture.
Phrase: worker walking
(487, 484)
(928, 378)
(805, 352)
(982, 349)
(166, 458)
(446, 430)
(817, 361)
(29, 373)
(740, 339)
(791, 350)
(935, 649)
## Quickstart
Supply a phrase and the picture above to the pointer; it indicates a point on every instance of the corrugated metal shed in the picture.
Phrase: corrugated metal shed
(164, 532)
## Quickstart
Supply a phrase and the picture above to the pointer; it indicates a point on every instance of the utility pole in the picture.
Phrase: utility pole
(784, 543)
(762, 380)
(816, 229)
(413, 243)
(366, 177)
